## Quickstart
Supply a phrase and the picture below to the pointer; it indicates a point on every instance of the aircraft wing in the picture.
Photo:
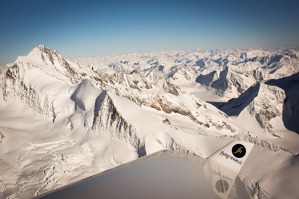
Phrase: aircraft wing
(225, 164)
(167, 174)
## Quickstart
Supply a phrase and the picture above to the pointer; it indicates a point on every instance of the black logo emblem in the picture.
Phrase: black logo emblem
(239, 151)
(222, 186)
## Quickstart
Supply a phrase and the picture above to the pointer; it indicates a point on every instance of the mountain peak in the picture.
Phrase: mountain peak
(42, 49)
(47, 56)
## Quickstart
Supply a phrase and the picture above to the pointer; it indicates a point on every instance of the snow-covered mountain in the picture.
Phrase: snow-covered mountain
(290, 109)
(62, 120)
(228, 73)
(262, 104)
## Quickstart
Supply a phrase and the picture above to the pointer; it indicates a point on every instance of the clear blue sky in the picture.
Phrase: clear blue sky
(94, 28)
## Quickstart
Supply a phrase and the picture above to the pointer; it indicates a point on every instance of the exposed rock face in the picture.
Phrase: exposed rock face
(52, 57)
(14, 87)
(262, 102)
(107, 119)
(290, 108)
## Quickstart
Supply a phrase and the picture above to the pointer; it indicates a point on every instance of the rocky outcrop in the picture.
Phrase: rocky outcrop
(52, 57)
(262, 102)
(291, 103)
(107, 119)
(14, 87)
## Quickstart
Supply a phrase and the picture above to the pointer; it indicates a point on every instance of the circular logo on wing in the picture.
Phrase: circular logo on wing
(239, 150)
(222, 186)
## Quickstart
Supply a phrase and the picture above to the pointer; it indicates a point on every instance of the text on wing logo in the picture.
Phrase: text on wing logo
(238, 151)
